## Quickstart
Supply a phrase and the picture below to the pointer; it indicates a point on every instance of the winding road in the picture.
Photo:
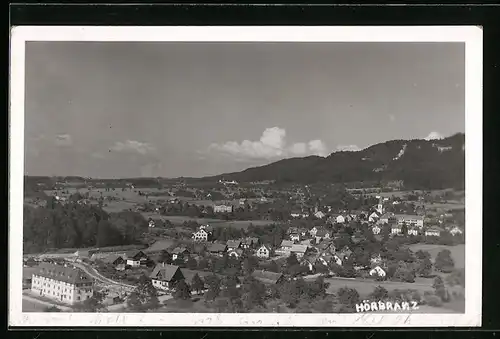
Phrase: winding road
(99, 277)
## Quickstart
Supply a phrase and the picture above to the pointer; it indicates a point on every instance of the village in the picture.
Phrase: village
(386, 242)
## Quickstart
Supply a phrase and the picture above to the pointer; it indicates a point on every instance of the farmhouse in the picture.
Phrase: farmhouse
(373, 217)
(201, 235)
(249, 242)
(319, 215)
(223, 208)
(136, 258)
(378, 272)
(299, 250)
(235, 253)
(376, 229)
(387, 217)
(179, 253)
(295, 237)
(413, 220)
(322, 234)
(62, 283)
(233, 244)
(267, 277)
(456, 231)
(263, 252)
(217, 249)
(313, 231)
(433, 231)
(165, 277)
(396, 229)
(413, 231)
(286, 247)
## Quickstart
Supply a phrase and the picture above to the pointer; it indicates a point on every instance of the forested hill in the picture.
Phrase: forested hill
(420, 164)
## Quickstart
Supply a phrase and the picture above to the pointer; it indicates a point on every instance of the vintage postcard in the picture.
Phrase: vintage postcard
(245, 176)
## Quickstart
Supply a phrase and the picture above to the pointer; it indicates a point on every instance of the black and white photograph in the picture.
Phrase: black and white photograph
(245, 176)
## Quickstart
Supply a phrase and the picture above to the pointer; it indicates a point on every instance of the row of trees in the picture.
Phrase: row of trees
(72, 225)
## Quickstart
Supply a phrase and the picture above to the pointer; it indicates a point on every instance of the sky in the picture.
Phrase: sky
(132, 109)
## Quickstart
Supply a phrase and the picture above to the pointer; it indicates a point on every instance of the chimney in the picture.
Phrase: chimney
(163, 264)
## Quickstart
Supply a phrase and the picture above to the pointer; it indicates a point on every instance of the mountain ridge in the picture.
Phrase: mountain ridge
(419, 163)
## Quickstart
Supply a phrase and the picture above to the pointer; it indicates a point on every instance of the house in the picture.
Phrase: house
(303, 232)
(291, 230)
(433, 231)
(217, 249)
(151, 223)
(249, 242)
(233, 244)
(267, 277)
(319, 215)
(114, 259)
(456, 231)
(376, 229)
(412, 231)
(386, 218)
(327, 246)
(340, 219)
(337, 260)
(263, 252)
(200, 235)
(376, 259)
(136, 258)
(164, 277)
(377, 272)
(235, 253)
(299, 250)
(412, 220)
(179, 253)
(62, 283)
(396, 229)
(286, 247)
(322, 234)
(28, 276)
(313, 231)
(345, 253)
(223, 208)
(295, 237)
(299, 214)
(373, 217)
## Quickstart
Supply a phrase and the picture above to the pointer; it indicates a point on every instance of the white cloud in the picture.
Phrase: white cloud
(317, 147)
(133, 146)
(271, 145)
(63, 140)
(348, 148)
(434, 136)
(299, 148)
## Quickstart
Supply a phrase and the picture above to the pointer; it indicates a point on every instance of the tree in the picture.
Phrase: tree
(422, 255)
(404, 273)
(214, 287)
(348, 297)
(457, 277)
(425, 267)
(144, 297)
(250, 264)
(317, 289)
(404, 229)
(93, 304)
(230, 289)
(253, 293)
(192, 264)
(439, 288)
(444, 262)
(379, 293)
(182, 290)
(203, 264)
(197, 284)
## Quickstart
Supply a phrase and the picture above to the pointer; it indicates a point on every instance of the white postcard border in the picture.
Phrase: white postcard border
(470, 35)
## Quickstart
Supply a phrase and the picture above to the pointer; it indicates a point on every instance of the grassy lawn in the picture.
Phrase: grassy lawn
(365, 287)
(195, 305)
(31, 306)
(457, 252)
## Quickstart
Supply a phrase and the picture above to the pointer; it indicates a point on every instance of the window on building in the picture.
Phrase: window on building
(78, 298)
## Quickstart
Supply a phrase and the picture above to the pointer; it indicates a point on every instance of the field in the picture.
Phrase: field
(179, 219)
(446, 206)
(365, 287)
(457, 252)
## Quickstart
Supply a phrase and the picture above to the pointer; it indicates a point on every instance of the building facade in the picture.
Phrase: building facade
(62, 283)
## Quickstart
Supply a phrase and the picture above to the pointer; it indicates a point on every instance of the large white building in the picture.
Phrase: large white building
(223, 208)
(62, 283)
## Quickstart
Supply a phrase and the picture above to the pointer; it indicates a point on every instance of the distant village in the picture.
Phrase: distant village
(301, 239)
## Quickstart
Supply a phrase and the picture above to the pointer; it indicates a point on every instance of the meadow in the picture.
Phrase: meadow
(457, 252)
